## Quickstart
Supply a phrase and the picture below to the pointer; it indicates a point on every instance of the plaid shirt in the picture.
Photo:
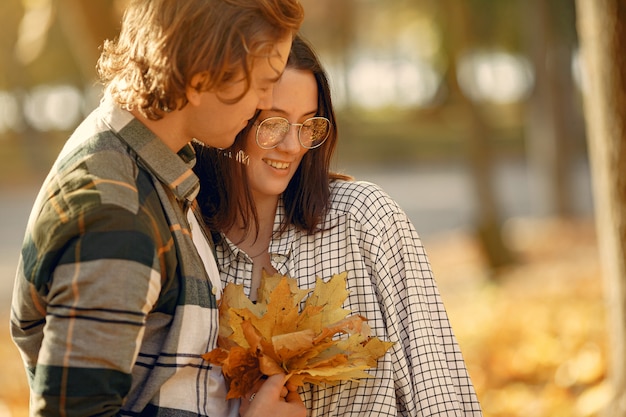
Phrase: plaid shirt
(390, 283)
(112, 307)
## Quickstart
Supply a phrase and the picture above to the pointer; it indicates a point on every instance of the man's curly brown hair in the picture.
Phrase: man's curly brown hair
(164, 43)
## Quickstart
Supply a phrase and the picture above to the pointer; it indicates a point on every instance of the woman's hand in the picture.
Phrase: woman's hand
(272, 398)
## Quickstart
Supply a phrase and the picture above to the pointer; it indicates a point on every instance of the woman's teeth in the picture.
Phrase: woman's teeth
(277, 165)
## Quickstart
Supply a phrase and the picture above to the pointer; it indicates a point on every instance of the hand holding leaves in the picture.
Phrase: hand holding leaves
(273, 336)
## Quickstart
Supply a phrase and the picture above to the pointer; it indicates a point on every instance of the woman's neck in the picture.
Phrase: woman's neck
(256, 241)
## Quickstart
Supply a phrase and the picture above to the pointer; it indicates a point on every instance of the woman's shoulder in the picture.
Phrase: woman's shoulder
(360, 197)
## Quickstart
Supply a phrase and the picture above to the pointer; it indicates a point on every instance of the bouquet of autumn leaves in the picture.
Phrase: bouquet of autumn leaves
(273, 336)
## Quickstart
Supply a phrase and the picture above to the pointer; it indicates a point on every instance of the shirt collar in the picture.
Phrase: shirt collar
(280, 247)
(174, 170)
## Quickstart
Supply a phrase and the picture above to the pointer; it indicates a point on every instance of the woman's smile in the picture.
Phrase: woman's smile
(276, 164)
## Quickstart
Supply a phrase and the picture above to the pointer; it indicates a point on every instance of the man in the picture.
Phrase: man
(112, 307)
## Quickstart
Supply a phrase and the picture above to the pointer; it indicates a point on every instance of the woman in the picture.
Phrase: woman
(273, 204)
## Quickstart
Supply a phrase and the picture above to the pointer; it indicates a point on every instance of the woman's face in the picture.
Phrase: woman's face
(270, 170)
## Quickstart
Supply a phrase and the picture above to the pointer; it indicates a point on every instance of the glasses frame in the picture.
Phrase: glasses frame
(260, 123)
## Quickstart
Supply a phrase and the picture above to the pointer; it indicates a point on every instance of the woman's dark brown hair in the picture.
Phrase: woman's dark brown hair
(224, 196)
(163, 44)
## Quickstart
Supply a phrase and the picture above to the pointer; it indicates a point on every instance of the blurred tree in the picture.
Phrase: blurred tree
(59, 40)
(10, 12)
(493, 23)
(54, 42)
(84, 30)
(478, 140)
(551, 116)
(602, 31)
(332, 32)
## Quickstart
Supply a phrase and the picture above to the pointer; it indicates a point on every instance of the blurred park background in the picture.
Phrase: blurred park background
(469, 114)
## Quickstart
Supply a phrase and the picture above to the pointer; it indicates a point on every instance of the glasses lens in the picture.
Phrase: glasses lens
(314, 132)
(271, 131)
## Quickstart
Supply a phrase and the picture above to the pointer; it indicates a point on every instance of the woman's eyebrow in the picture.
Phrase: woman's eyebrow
(285, 113)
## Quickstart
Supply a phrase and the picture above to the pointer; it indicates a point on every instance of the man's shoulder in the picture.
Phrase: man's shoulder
(96, 169)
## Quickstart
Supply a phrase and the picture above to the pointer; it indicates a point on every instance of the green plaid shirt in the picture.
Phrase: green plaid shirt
(112, 307)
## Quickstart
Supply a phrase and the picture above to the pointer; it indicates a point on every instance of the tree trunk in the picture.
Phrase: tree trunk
(86, 24)
(602, 31)
(549, 112)
(488, 223)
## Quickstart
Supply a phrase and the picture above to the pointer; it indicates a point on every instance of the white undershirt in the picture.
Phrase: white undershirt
(216, 386)
(205, 252)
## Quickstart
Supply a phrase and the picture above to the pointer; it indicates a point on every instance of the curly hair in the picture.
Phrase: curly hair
(164, 43)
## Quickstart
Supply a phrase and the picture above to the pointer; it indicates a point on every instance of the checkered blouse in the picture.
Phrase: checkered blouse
(390, 283)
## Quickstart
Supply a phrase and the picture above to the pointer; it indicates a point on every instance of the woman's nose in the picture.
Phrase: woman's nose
(291, 143)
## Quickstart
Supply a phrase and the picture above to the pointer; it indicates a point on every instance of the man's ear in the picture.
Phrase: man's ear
(193, 91)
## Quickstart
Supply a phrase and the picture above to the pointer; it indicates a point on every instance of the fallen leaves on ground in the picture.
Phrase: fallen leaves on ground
(533, 334)
(273, 336)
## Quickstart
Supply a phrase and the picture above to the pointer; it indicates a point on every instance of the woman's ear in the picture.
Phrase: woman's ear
(194, 91)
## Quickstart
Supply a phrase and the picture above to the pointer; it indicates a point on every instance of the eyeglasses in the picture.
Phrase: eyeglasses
(311, 133)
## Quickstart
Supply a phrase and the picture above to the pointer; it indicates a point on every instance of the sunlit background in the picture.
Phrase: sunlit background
(467, 112)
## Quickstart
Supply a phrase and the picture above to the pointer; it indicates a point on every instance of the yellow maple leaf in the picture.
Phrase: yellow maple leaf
(274, 336)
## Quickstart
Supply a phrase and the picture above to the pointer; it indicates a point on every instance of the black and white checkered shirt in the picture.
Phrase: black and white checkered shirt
(390, 283)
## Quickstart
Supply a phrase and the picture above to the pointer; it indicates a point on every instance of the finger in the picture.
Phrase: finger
(268, 400)
(244, 404)
(273, 385)
(291, 386)
(294, 398)
(255, 388)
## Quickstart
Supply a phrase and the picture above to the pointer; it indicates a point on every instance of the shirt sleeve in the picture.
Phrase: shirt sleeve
(86, 286)
(430, 375)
